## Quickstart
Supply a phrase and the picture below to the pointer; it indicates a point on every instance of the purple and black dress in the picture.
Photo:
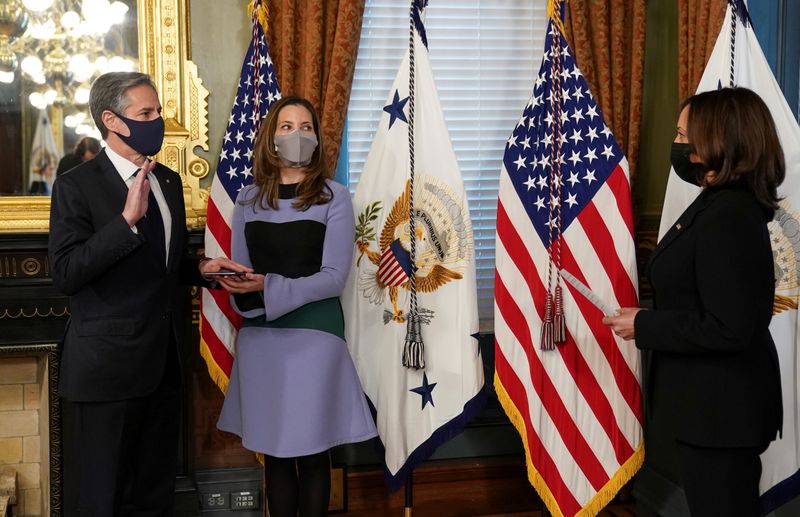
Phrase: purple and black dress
(293, 389)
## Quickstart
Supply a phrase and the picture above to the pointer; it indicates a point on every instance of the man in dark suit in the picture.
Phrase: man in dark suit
(118, 248)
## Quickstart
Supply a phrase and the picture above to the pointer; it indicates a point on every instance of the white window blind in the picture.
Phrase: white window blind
(485, 55)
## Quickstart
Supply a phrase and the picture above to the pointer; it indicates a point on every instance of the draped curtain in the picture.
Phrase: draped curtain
(313, 44)
(699, 22)
(608, 39)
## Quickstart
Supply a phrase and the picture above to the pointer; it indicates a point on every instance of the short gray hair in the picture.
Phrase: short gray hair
(109, 93)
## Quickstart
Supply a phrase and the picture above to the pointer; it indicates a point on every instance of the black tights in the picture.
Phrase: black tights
(302, 483)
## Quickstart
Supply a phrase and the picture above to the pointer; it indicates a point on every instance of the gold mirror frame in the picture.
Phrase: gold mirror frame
(164, 54)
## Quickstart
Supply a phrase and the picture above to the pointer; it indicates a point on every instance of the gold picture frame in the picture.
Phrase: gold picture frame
(164, 54)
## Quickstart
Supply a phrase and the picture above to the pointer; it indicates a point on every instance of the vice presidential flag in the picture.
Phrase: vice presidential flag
(415, 409)
(257, 90)
(44, 157)
(780, 477)
(565, 253)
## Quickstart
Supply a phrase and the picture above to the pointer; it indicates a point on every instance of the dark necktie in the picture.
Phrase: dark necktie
(155, 225)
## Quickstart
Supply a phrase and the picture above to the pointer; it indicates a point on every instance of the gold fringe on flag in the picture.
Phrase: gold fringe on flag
(214, 371)
(262, 13)
(603, 496)
(534, 478)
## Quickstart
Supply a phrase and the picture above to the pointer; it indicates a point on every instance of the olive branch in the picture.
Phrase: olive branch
(365, 231)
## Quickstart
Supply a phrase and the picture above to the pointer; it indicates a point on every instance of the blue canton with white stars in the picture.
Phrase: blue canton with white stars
(589, 152)
(258, 90)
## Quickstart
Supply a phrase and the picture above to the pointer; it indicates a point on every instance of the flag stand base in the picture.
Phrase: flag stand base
(409, 505)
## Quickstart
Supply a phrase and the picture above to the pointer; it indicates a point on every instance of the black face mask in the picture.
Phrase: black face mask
(687, 170)
(146, 136)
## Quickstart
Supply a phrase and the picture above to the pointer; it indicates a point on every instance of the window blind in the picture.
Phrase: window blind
(485, 55)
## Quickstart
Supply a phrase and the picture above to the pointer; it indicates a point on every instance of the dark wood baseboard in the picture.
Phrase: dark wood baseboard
(485, 487)
(488, 487)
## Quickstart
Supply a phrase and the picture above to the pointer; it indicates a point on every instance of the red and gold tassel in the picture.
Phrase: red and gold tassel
(559, 325)
(546, 338)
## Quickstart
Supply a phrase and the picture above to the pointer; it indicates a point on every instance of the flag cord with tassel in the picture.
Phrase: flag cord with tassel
(553, 324)
(734, 16)
(414, 349)
(259, 13)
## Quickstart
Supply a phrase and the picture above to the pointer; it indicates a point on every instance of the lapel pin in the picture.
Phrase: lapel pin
(679, 226)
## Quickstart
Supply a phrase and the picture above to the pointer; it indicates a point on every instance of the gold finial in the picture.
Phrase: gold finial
(262, 13)
(554, 13)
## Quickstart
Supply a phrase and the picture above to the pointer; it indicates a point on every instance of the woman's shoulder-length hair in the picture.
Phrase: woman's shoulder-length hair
(732, 132)
(313, 188)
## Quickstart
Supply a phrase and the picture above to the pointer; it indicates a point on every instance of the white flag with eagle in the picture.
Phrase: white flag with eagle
(416, 408)
(44, 157)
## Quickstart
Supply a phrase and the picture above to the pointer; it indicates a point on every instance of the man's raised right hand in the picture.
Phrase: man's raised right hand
(136, 202)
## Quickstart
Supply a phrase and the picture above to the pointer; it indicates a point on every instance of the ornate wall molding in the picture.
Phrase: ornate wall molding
(35, 313)
(164, 54)
(24, 214)
(24, 264)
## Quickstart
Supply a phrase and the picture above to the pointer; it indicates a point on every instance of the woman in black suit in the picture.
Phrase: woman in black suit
(712, 382)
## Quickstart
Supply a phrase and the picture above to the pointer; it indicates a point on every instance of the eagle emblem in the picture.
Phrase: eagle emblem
(443, 246)
(785, 236)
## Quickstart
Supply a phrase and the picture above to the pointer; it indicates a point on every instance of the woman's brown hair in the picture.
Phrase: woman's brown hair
(732, 132)
(312, 189)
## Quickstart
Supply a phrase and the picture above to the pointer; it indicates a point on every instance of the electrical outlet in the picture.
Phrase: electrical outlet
(245, 500)
(216, 501)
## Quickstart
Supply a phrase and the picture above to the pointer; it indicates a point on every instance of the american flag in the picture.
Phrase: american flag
(395, 264)
(258, 89)
(565, 202)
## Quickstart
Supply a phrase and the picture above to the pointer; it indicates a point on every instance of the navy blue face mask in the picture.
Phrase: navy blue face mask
(146, 135)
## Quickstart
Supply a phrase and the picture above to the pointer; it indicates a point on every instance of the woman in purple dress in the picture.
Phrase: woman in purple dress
(294, 392)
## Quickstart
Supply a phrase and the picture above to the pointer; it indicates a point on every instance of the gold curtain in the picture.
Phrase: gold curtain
(313, 44)
(699, 22)
(608, 39)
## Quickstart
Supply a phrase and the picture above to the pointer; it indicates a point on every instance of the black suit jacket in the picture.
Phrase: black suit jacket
(68, 162)
(713, 372)
(124, 302)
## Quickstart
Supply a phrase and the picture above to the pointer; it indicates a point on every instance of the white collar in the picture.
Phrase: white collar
(125, 167)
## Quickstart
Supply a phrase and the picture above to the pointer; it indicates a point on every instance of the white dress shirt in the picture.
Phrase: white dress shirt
(126, 170)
